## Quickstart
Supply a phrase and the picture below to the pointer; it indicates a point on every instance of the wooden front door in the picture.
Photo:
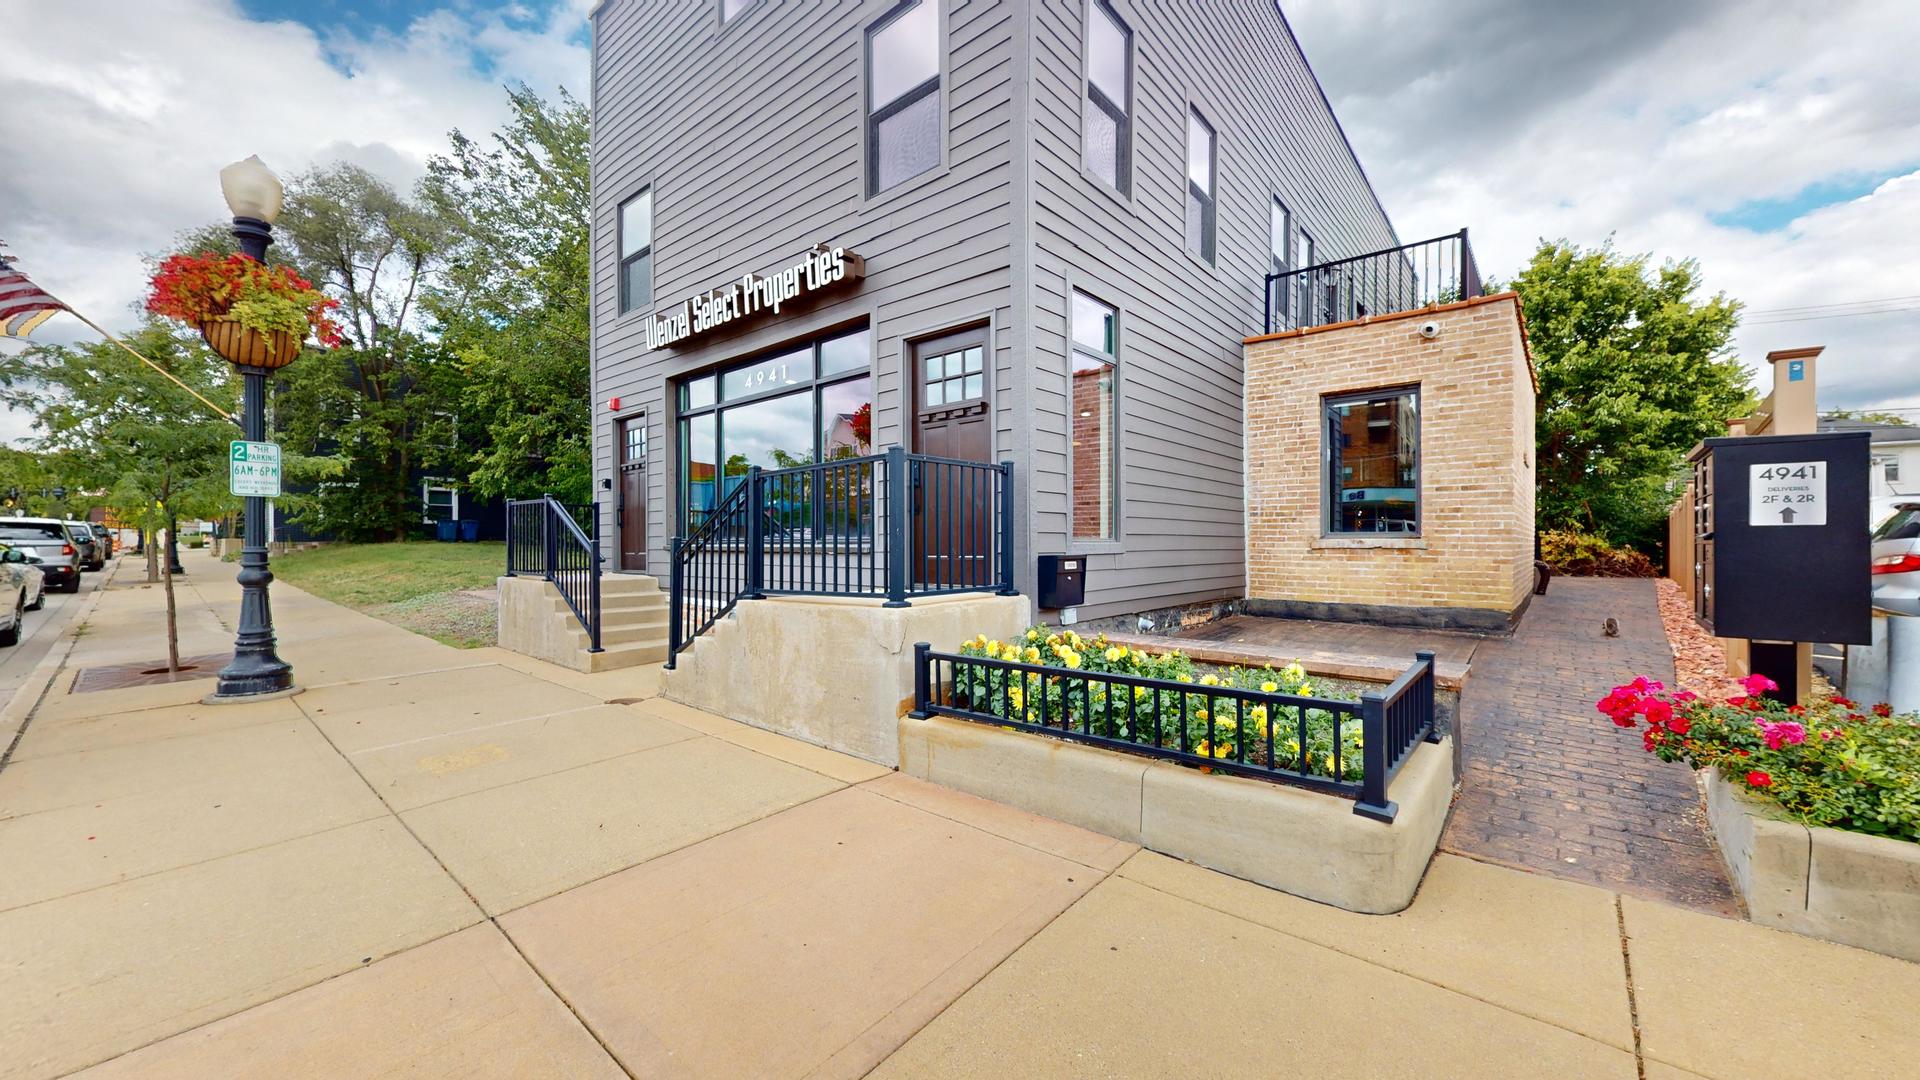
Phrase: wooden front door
(631, 513)
(952, 506)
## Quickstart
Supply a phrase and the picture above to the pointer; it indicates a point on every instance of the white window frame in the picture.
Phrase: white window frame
(438, 483)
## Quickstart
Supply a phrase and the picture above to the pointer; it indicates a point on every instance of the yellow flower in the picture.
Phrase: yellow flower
(1199, 714)
(1015, 696)
(1115, 655)
(1207, 749)
(1139, 691)
(1186, 678)
(981, 641)
(1071, 658)
(1074, 638)
(1269, 687)
(1033, 635)
(1032, 655)
(1306, 689)
(1294, 671)
(993, 650)
(1210, 680)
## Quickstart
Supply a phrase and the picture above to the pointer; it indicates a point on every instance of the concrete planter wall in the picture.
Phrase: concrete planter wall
(1827, 883)
(1288, 838)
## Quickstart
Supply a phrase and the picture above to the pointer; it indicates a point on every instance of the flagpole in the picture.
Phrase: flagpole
(98, 329)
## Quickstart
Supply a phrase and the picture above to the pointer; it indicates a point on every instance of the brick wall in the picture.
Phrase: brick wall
(1476, 482)
(1092, 451)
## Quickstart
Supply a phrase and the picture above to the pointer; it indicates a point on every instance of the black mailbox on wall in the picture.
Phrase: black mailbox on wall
(1063, 581)
(1787, 538)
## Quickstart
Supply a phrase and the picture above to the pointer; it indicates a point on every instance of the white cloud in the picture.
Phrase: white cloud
(1640, 120)
(120, 114)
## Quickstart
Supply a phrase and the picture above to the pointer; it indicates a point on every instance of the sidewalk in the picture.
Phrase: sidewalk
(468, 863)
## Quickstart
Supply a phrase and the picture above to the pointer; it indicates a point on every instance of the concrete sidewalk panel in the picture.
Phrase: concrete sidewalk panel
(1090, 849)
(1731, 999)
(61, 704)
(808, 944)
(102, 972)
(1134, 982)
(422, 771)
(146, 812)
(522, 842)
(842, 767)
(48, 736)
(463, 1006)
(381, 712)
(1539, 947)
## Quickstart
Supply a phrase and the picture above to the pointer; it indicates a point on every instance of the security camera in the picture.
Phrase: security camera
(1429, 330)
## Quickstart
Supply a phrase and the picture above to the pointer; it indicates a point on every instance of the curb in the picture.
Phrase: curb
(18, 711)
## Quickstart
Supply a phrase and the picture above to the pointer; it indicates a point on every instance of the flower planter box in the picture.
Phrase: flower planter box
(1304, 842)
(1833, 884)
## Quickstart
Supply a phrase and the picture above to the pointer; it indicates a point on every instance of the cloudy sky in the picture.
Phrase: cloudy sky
(1775, 142)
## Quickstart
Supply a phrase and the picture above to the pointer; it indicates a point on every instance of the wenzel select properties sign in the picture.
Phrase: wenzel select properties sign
(821, 268)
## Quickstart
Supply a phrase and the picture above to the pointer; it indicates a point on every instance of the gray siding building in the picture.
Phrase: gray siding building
(1034, 231)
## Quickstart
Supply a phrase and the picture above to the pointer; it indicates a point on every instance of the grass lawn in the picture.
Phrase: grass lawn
(426, 587)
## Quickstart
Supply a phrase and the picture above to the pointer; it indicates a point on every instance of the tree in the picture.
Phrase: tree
(513, 303)
(115, 426)
(363, 417)
(1868, 416)
(1634, 370)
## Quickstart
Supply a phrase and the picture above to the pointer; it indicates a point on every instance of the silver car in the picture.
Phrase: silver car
(25, 585)
(1896, 561)
(59, 556)
(93, 550)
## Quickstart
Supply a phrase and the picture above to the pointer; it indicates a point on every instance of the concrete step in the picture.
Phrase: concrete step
(627, 584)
(627, 655)
(641, 601)
(620, 635)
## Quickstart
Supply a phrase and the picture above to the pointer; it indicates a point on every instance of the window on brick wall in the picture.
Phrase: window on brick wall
(1373, 462)
(1094, 454)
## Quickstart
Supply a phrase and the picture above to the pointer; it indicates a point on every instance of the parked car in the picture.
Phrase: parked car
(93, 551)
(1896, 561)
(25, 584)
(52, 542)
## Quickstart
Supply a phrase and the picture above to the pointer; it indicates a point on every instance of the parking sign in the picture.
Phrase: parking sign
(253, 469)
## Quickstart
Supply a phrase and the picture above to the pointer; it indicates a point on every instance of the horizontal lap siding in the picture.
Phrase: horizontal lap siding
(752, 138)
(1182, 473)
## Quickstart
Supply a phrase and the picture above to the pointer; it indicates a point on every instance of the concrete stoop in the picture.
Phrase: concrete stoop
(534, 619)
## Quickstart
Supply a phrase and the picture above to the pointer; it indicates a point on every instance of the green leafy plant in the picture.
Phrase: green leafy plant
(1830, 763)
(1280, 721)
(199, 288)
(1580, 554)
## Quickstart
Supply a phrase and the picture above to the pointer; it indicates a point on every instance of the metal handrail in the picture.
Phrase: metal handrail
(1404, 278)
(544, 539)
(1394, 721)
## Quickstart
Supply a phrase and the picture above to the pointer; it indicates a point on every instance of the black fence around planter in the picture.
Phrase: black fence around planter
(1347, 748)
(896, 526)
(545, 540)
(1436, 271)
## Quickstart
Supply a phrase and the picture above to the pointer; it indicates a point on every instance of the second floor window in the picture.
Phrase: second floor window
(1201, 160)
(1279, 239)
(903, 95)
(1108, 123)
(636, 252)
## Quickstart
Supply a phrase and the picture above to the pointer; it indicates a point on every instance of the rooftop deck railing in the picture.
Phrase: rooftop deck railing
(1436, 271)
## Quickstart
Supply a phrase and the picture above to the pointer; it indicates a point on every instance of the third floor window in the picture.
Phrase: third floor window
(1108, 116)
(1201, 162)
(903, 95)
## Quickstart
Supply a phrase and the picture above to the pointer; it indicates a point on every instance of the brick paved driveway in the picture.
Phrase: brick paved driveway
(1550, 785)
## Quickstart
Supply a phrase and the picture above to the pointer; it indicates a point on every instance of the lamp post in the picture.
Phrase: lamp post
(253, 193)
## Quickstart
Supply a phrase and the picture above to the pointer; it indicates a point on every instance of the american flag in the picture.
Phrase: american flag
(23, 305)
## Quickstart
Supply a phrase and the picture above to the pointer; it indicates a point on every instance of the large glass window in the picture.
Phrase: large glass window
(636, 252)
(1107, 117)
(903, 94)
(786, 409)
(1373, 462)
(1095, 444)
(1201, 162)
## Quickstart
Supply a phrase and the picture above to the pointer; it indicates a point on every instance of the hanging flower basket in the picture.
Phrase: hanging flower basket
(248, 347)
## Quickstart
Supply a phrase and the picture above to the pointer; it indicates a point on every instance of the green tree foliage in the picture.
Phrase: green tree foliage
(513, 302)
(364, 416)
(1868, 416)
(1634, 370)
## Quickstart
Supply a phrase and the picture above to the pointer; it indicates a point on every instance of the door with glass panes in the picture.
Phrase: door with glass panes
(952, 520)
(631, 513)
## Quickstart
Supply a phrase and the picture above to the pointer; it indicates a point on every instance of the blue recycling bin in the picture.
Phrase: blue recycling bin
(470, 530)
(447, 531)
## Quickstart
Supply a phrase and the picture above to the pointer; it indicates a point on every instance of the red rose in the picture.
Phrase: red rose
(1679, 725)
(1883, 709)
(1842, 702)
(1756, 778)
(1658, 712)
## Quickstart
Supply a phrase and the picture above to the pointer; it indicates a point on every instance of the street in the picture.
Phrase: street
(42, 629)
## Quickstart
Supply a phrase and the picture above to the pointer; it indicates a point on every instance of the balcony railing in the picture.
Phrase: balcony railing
(1411, 276)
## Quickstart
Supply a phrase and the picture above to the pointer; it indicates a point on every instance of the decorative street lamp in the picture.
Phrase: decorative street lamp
(254, 194)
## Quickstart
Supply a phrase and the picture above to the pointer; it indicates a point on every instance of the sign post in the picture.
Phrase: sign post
(253, 469)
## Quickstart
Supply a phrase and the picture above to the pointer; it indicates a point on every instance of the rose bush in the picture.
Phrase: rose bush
(198, 288)
(1200, 721)
(1830, 763)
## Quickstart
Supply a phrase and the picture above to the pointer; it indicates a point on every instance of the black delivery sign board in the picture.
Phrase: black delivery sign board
(1791, 541)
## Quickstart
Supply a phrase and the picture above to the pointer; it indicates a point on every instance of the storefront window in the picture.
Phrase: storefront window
(1373, 443)
(779, 411)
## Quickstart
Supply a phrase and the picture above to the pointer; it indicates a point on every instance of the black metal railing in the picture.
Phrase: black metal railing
(1348, 748)
(544, 539)
(1436, 271)
(896, 526)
